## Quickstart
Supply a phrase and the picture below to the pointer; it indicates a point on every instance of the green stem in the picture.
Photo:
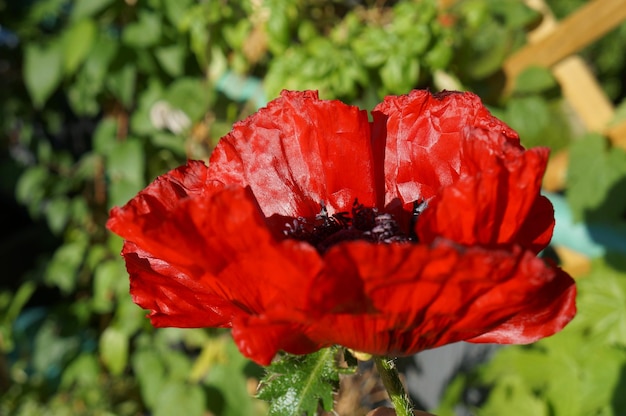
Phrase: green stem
(391, 379)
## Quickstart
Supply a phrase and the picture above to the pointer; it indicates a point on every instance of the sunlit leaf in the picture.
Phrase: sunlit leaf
(596, 180)
(296, 385)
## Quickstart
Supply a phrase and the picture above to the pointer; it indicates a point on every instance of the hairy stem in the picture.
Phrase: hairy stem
(391, 379)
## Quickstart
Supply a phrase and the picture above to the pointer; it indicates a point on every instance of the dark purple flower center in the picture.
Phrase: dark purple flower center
(362, 223)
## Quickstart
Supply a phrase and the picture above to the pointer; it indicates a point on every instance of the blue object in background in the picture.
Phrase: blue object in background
(591, 239)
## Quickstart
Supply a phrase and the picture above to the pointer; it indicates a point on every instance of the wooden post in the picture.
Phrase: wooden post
(578, 30)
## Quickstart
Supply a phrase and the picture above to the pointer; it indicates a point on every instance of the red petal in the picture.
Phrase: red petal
(260, 338)
(427, 297)
(421, 134)
(213, 247)
(297, 152)
(495, 201)
(544, 315)
(171, 296)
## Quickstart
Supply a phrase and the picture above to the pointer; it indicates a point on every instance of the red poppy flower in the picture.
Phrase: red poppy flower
(312, 226)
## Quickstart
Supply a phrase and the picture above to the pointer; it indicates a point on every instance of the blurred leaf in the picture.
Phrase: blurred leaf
(440, 54)
(108, 277)
(145, 32)
(83, 370)
(43, 66)
(85, 94)
(399, 74)
(512, 396)
(140, 121)
(10, 311)
(129, 318)
(225, 370)
(529, 116)
(122, 83)
(52, 351)
(114, 350)
(534, 80)
(125, 167)
(602, 303)
(62, 271)
(57, 213)
(190, 95)
(150, 372)
(31, 187)
(105, 136)
(298, 384)
(82, 9)
(596, 180)
(77, 42)
(179, 398)
(175, 10)
(171, 142)
(172, 59)
(213, 352)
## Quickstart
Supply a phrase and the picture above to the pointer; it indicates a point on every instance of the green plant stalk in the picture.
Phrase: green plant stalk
(391, 379)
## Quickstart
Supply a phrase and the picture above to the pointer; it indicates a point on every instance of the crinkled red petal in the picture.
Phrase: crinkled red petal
(171, 296)
(297, 152)
(421, 134)
(208, 248)
(543, 315)
(482, 186)
(500, 204)
(430, 296)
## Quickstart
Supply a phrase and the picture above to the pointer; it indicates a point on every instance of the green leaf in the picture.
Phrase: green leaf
(107, 279)
(58, 213)
(596, 180)
(169, 141)
(190, 95)
(225, 369)
(85, 94)
(84, 370)
(31, 187)
(520, 112)
(399, 74)
(10, 308)
(87, 8)
(63, 268)
(175, 10)
(140, 121)
(150, 373)
(104, 138)
(534, 80)
(122, 83)
(145, 32)
(296, 385)
(43, 70)
(172, 59)
(52, 350)
(114, 350)
(179, 398)
(77, 42)
(128, 317)
(511, 396)
(125, 168)
(602, 303)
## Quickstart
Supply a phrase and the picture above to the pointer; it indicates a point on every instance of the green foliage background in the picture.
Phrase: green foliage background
(99, 97)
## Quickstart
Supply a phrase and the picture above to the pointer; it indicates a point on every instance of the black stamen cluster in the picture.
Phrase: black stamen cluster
(362, 223)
